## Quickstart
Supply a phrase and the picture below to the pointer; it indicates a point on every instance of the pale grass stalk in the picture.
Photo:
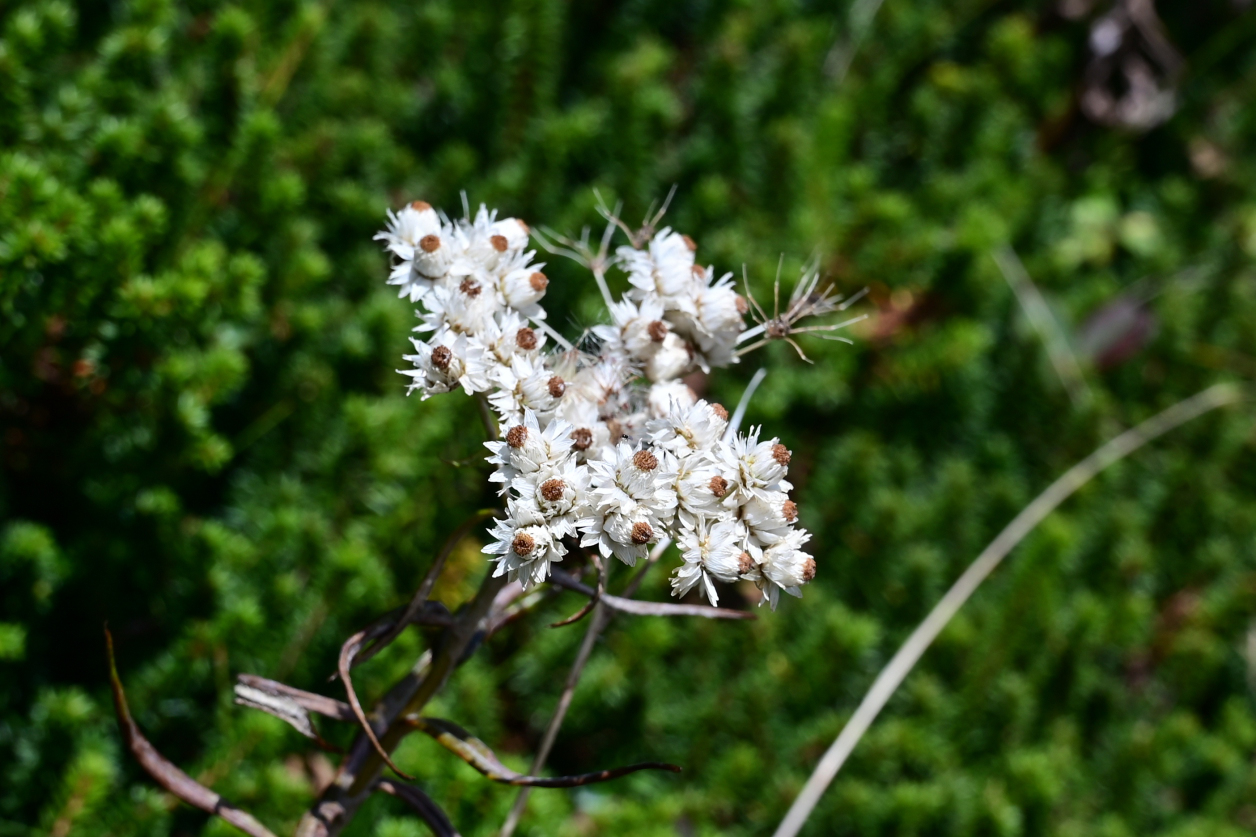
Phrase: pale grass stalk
(909, 654)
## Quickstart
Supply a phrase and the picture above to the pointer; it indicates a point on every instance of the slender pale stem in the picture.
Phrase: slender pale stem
(909, 654)
(734, 424)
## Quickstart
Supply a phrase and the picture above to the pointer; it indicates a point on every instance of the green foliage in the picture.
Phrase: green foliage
(205, 444)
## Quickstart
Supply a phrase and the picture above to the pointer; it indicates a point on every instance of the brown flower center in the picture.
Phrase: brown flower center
(525, 338)
(690, 243)
(745, 563)
(719, 486)
(657, 330)
(698, 270)
(538, 281)
(470, 287)
(742, 305)
(557, 386)
(645, 460)
(420, 205)
(720, 411)
(499, 243)
(641, 532)
(781, 454)
(552, 490)
(809, 569)
(429, 243)
(517, 436)
(526, 228)
(581, 438)
(441, 356)
(790, 510)
(523, 544)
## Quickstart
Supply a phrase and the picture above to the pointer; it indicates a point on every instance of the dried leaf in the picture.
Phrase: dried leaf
(422, 804)
(639, 608)
(278, 700)
(167, 775)
(347, 652)
(477, 754)
(319, 704)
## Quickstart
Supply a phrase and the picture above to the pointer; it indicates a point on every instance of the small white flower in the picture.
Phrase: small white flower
(499, 341)
(459, 309)
(526, 385)
(664, 395)
(702, 490)
(770, 511)
(785, 566)
(686, 430)
(673, 359)
(526, 449)
(557, 491)
(439, 365)
(631, 502)
(636, 332)
(526, 545)
(412, 235)
(709, 549)
(759, 468)
(666, 269)
(522, 288)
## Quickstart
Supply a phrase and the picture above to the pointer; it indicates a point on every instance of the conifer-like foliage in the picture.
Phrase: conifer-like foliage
(203, 440)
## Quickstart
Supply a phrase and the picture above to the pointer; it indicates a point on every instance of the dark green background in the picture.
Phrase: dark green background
(204, 441)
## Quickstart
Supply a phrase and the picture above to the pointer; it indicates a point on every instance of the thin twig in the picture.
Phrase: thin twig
(421, 804)
(1044, 322)
(909, 654)
(174, 780)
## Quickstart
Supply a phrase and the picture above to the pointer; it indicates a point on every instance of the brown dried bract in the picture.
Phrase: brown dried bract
(641, 532)
(517, 436)
(429, 243)
(441, 356)
(525, 338)
(781, 454)
(523, 544)
(645, 460)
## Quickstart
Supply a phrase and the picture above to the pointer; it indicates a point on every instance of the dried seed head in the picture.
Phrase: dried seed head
(420, 205)
(517, 436)
(557, 386)
(690, 243)
(809, 569)
(499, 242)
(742, 305)
(581, 438)
(720, 411)
(538, 281)
(657, 330)
(718, 486)
(745, 563)
(441, 356)
(523, 544)
(781, 454)
(429, 243)
(552, 489)
(470, 287)
(790, 509)
(641, 532)
(645, 460)
(525, 338)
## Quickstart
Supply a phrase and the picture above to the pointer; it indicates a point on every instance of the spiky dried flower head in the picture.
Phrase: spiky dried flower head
(538, 281)
(517, 436)
(781, 454)
(429, 243)
(645, 460)
(552, 489)
(809, 569)
(719, 410)
(441, 356)
(790, 510)
(581, 438)
(718, 486)
(523, 544)
(557, 386)
(470, 287)
(745, 563)
(500, 243)
(641, 532)
(657, 329)
(525, 338)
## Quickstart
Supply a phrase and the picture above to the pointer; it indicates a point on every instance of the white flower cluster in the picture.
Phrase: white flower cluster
(605, 448)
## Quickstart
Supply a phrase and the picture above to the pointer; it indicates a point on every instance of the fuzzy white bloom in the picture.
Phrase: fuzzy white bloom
(496, 344)
(631, 502)
(709, 550)
(439, 365)
(526, 385)
(664, 270)
(784, 566)
(635, 332)
(692, 429)
(526, 449)
(413, 235)
(758, 468)
(663, 396)
(527, 544)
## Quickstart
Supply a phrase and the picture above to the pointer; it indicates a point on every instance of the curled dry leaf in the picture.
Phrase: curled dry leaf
(170, 777)
(477, 754)
(422, 804)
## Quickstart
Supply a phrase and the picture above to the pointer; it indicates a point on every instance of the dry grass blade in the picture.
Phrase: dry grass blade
(285, 709)
(910, 653)
(347, 652)
(318, 704)
(477, 754)
(422, 804)
(167, 775)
